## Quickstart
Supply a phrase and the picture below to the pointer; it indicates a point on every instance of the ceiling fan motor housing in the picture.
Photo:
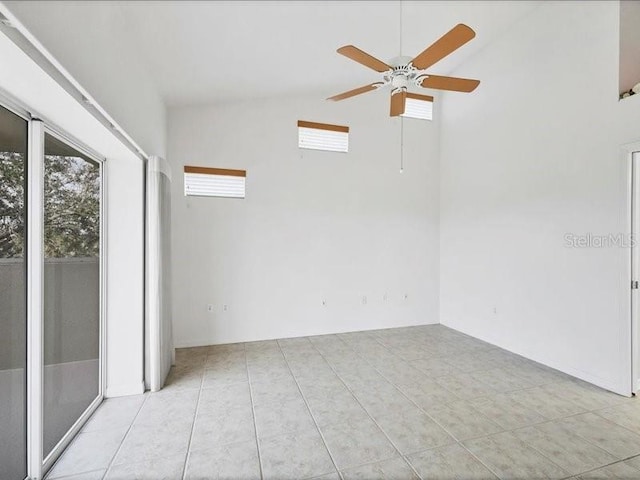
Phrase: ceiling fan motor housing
(402, 74)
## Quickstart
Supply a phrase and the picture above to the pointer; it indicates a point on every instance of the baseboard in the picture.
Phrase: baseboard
(205, 342)
(124, 390)
(572, 371)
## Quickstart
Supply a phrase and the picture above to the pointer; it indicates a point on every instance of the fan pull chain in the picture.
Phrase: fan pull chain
(401, 144)
(400, 52)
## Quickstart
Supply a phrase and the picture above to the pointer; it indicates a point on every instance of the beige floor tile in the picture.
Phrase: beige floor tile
(340, 407)
(382, 400)
(215, 399)
(357, 443)
(451, 462)
(547, 404)
(291, 416)
(462, 421)
(465, 385)
(393, 469)
(607, 435)
(167, 468)
(219, 427)
(267, 392)
(294, 456)
(634, 462)
(221, 378)
(148, 442)
(412, 431)
(428, 393)
(434, 367)
(508, 457)
(177, 408)
(617, 471)
(88, 452)
(94, 475)
(584, 395)
(505, 411)
(115, 413)
(238, 461)
(502, 380)
(626, 415)
(566, 450)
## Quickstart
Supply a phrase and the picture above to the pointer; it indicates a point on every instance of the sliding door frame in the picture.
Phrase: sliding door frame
(50, 459)
(35, 309)
(37, 466)
(33, 418)
(631, 157)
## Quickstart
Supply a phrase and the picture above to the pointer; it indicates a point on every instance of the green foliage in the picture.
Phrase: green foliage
(12, 171)
(72, 207)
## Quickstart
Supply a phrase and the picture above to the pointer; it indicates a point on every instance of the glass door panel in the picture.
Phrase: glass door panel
(71, 370)
(13, 313)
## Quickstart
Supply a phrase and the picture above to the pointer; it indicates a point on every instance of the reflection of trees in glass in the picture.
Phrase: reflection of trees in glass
(72, 206)
(12, 171)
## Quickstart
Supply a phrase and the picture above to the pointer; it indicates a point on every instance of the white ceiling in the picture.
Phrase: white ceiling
(220, 51)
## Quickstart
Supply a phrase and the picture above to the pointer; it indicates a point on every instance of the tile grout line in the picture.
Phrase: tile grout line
(457, 441)
(608, 465)
(547, 420)
(460, 442)
(106, 472)
(367, 412)
(195, 416)
(253, 412)
(313, 418)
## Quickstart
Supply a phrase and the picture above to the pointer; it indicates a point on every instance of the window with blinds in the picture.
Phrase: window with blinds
(214, 182)
(323, 136)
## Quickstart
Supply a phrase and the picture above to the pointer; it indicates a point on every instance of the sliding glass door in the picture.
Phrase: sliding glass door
(71, 318)
(13, 312)
(50, 292)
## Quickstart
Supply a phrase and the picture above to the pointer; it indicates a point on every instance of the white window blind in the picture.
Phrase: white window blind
(214, 182)
(418, 106)
(323, 136)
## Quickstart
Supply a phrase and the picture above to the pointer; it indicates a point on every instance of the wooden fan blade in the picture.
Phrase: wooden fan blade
(450, 83)
(398, 102)
(363, 58)
(355, 91)
(450, 41)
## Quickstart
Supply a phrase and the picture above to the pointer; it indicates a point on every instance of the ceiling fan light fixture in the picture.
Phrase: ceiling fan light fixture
(418, 106)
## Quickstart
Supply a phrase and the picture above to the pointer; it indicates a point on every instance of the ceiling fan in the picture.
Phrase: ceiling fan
(402, 72)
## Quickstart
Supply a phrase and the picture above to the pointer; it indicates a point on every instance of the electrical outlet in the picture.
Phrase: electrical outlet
(364, 299)
(210, 308)
(225, 307)
(495, 310)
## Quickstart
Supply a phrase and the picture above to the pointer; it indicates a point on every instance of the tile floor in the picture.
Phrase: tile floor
(409, 403)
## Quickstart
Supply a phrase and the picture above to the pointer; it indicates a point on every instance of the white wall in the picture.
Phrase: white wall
(532, 155)
(30, 85)
(314, 225)
(96, 50)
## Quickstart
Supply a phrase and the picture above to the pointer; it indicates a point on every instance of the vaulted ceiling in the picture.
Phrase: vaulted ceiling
(221, 51)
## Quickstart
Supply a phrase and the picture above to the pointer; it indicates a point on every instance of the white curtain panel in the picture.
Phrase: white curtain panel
(159, 351)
